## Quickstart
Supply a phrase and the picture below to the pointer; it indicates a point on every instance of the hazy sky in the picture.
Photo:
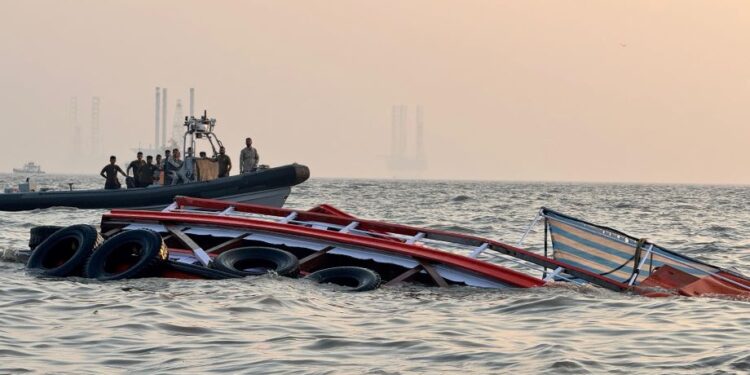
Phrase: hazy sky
(635, 91)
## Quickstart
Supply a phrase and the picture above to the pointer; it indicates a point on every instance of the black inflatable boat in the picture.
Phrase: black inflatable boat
(269, 187)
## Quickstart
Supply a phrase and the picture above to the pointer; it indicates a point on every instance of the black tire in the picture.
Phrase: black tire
(40, 233)
(257, 260)
(205, 272)
(127, 255)
(358, 279)
(64, 252)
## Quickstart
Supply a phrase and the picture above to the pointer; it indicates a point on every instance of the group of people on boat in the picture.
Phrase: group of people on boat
(172, 169)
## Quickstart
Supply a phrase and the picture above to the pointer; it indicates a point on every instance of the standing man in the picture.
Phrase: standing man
(189, 166)
(109, 172)
(146, 175)
(176, 166)
(225, 164)
(249, 157)
(136, 165)
(166, 156)
(166, 168)
(159, 169)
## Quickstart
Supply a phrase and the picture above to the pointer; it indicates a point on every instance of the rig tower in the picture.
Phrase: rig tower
(402, 163)
(163, 116)
(178, 123)
(95, 138)
(192, 101)
(156, 126)
(73, 113)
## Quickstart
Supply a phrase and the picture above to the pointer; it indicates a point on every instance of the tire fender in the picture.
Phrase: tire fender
(358, 279)
(130, 254)
(257, 260)
(65, 251)
(40, 233)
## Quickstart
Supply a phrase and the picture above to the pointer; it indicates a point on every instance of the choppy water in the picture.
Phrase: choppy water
(276, 325)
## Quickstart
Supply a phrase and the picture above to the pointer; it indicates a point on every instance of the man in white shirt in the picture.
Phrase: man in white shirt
(249, 157)
(177, 168)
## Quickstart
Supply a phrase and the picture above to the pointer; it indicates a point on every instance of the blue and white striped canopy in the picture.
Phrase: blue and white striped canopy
(611, 253)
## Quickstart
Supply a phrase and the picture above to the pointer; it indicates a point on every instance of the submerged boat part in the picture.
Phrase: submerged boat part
(329, 245)
(320, 240)
(357, 279)
(642, 265)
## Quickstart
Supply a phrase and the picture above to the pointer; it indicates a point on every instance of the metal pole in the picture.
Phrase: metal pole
(402, 132)
(156, 127)
(164, 117)
(419, 143)
(539, 215)
(74, 123)
(544, 274)
(394, 132)
(192, 98)
(95, 141)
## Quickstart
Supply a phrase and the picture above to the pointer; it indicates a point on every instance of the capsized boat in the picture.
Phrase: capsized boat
(205, 238)
(202, 231)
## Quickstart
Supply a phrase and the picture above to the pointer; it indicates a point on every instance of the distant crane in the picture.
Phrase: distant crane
(163, 141)
(177, 124)
(95, 137)
(163, 116)
(73, 118)
(399, 162)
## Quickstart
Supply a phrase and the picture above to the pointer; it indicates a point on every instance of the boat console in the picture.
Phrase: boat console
(200, 128)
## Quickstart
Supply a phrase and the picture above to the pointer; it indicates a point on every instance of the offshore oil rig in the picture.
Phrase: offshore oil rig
(403, 162)
(176, 138)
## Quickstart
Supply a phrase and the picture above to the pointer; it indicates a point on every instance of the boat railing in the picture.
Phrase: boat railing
(289, 219)
(479, 248)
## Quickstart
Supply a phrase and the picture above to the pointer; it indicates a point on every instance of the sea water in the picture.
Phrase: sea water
(275, 325)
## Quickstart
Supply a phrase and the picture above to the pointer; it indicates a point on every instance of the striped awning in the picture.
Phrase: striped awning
(611, 253)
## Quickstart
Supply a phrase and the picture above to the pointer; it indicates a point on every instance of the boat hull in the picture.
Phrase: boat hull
(318, 240)
(272, 198)
(270, 186)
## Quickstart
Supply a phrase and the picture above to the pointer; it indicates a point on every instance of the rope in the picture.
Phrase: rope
(637, 259)
(636, 256)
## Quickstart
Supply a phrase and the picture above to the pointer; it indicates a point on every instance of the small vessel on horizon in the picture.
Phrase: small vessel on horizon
(29, 168)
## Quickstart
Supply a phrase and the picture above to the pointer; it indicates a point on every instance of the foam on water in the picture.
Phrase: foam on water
(272, 325)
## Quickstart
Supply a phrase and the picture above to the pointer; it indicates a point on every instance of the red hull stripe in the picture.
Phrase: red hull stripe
(492, 271)
(381, 227)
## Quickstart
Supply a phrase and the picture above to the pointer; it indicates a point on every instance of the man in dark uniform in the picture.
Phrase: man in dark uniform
(110, 173)
(166, 168)
(225, 164)
(159, 169)
(146, 175)
(136, 165)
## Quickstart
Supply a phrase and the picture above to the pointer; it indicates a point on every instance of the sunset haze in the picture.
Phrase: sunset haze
(630, 91)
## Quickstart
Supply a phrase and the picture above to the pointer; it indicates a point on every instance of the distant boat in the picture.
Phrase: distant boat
(29, 167)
